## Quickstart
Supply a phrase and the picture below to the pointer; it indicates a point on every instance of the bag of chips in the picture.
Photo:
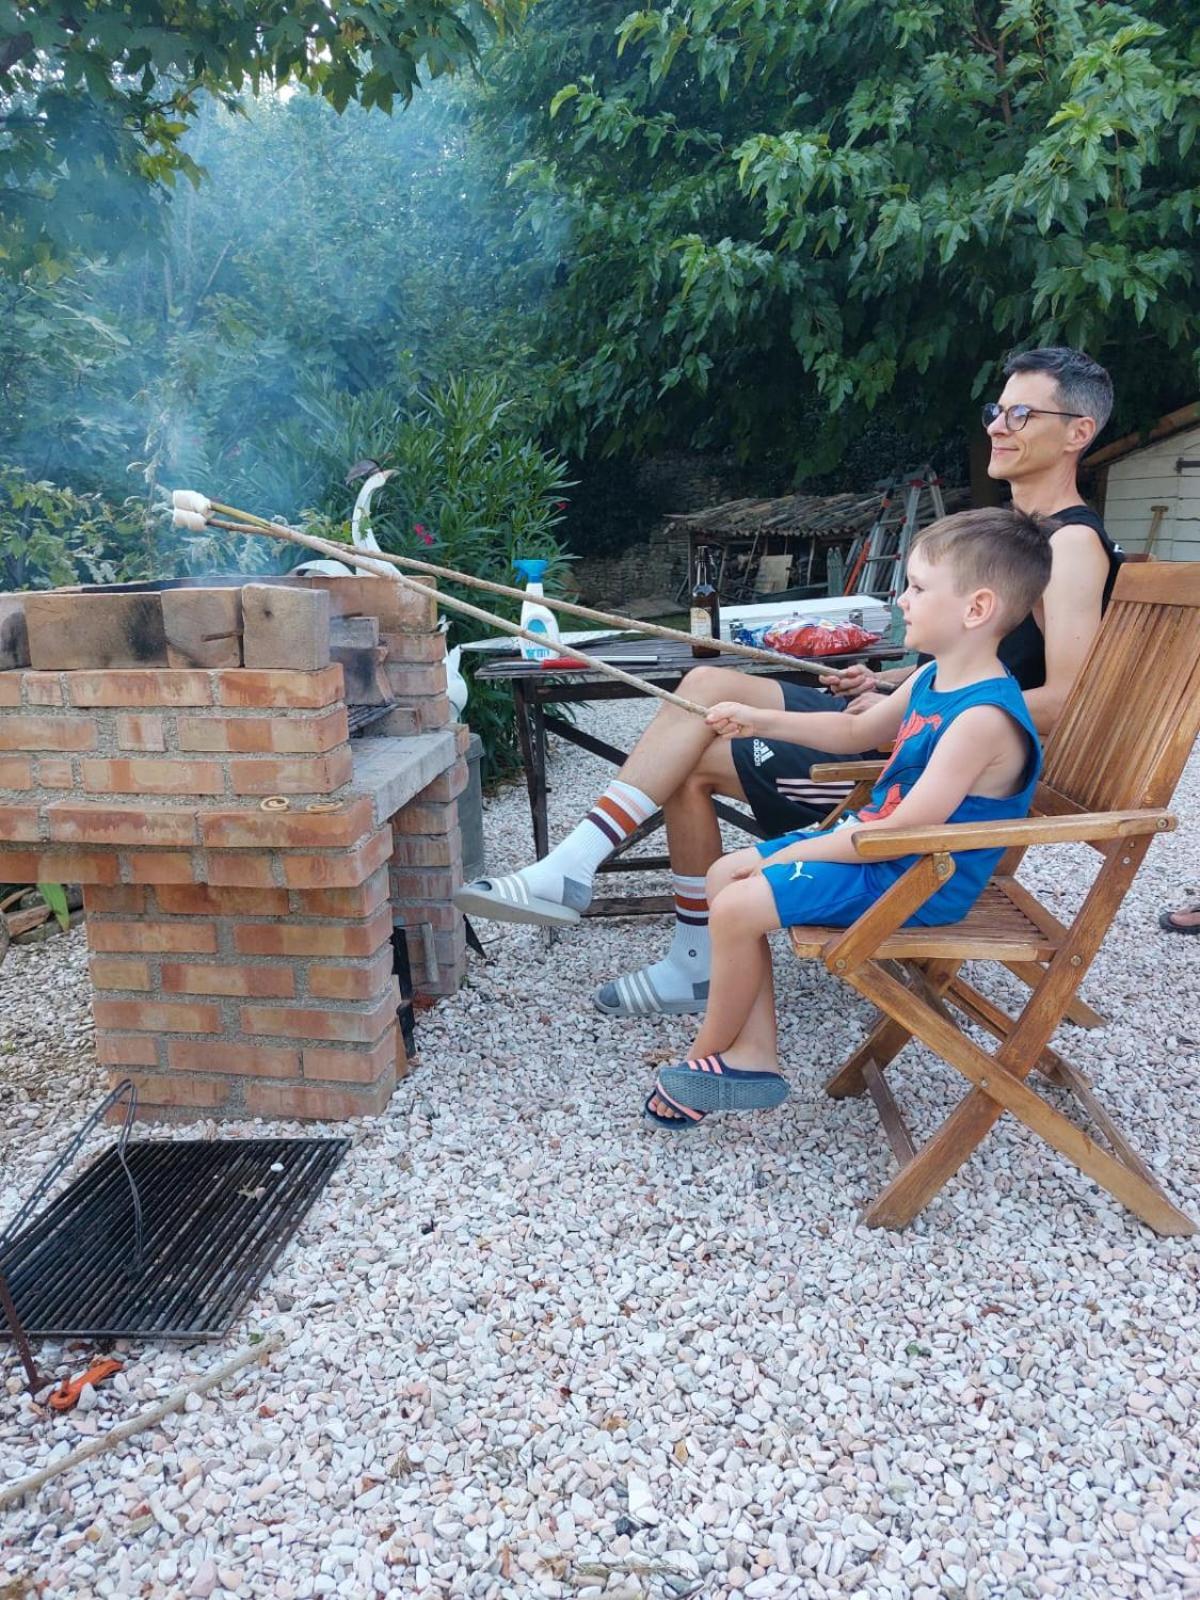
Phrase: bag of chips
(799, 638)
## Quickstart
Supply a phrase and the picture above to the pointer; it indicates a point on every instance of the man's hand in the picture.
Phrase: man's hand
(850, 681)
(731, 720)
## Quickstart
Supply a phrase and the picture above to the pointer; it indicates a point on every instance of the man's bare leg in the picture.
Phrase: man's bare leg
(559, 888)
(669, 751)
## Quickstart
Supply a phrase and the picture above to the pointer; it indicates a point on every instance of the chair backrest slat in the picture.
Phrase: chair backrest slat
(1132, 718)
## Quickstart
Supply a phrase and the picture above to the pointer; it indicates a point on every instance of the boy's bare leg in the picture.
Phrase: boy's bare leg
(739, 1023)
(559, 887)
(756, 1047)
(743, 914)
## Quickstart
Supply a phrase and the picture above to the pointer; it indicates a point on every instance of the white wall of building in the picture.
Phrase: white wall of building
(1150, 477)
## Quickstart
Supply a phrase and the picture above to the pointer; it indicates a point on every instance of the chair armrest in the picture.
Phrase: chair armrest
(881, 844)
(846, 771)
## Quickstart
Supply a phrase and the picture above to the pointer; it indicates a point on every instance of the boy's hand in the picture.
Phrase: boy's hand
(862, 702)
(730, 720)
(850, 681)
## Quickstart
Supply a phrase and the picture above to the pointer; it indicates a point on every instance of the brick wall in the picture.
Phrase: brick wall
(241, 877)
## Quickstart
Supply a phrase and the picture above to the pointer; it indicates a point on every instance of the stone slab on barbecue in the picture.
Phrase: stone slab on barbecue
(394, 771)
(398, 608)
(203, 627)
(362, 666)
(14, 635)
(71, 631)
(354, 632)
(285, 628)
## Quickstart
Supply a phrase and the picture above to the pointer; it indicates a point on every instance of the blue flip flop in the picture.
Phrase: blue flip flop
(1166, 919)
(710, 1084)
(687, 1121)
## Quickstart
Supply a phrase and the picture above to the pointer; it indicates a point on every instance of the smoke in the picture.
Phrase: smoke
(323, 259)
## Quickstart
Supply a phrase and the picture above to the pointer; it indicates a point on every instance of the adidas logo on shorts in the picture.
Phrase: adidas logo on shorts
(762, 752)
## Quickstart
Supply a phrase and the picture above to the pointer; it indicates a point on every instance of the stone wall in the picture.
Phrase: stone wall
(653, 566)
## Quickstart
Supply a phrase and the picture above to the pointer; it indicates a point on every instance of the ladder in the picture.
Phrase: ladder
(908, 504)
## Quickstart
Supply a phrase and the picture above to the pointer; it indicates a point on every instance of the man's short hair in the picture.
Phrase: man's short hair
(1083, 384)
(997, 548)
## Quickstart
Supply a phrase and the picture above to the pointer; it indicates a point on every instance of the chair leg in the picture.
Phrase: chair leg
(999, 1024)
(880, 1048)
(1078, 1012)
(998, 1087)
(1054, 1068)
(887, 1038)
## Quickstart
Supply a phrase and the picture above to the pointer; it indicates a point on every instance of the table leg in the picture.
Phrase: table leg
(531, 736)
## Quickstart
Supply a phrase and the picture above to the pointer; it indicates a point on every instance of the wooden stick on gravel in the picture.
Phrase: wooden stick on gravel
(116, 1435)
(371, 563)
(247, 522)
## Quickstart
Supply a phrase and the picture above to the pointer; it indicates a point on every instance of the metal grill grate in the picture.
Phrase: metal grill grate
(215, 1216)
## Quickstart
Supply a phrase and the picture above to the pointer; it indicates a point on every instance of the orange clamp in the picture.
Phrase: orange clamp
(66, 1396)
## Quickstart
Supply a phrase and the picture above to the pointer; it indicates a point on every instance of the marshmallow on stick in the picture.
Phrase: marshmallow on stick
(189, 500)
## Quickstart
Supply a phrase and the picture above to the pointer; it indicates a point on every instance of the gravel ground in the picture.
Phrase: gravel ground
(533, 1348)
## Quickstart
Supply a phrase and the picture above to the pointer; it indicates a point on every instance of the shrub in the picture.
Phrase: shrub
(51, 536)
(472, 489)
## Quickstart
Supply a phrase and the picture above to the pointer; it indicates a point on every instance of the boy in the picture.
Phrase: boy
(965, 750)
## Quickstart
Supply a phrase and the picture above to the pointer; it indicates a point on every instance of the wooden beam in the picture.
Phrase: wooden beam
(1174, 422)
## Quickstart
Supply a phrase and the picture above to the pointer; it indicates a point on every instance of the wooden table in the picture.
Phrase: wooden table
(535, 689)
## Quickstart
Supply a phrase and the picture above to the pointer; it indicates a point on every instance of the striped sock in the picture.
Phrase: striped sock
(691, 900)
(679, 982)
(566, 874)
(690, 948)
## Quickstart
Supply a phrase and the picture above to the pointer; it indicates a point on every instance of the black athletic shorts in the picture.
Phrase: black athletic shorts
(775, 776)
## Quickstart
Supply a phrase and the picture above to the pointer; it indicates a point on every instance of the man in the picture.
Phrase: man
(1053, 404)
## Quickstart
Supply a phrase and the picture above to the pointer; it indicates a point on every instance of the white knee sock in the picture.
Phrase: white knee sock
(565, 875)
(679, 982)
(690, 946)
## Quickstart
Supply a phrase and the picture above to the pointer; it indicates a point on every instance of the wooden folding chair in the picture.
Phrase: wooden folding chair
(1110, 770)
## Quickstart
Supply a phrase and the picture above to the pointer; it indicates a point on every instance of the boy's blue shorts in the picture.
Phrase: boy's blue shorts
(828, 893)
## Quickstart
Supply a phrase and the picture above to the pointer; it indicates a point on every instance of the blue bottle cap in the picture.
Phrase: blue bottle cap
(531, 571)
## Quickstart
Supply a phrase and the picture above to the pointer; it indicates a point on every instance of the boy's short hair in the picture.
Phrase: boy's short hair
(997, 548)
(1083, 384)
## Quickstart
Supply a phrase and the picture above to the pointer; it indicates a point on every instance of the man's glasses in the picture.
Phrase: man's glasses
(1015, 417)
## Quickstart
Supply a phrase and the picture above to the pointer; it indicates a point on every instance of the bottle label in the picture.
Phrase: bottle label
(531, 651)
(701, 623)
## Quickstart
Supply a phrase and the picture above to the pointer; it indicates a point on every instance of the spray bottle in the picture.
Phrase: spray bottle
(535, 617)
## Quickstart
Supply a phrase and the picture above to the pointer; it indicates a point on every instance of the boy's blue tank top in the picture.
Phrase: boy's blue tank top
(929, 715)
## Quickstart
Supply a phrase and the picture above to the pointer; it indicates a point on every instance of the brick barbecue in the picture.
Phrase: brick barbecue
(184, 753)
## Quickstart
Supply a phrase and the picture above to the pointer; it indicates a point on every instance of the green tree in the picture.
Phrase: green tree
(774, 217)
(95, 98)
(51, 536)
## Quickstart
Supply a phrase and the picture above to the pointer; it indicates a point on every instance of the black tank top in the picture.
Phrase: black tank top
(1023, 651)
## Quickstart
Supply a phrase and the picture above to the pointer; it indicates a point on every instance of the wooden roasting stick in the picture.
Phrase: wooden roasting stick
(120, 1431)
(246, 522)
(371, 564)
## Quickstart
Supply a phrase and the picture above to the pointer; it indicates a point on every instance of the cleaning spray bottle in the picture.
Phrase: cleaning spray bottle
(535, 617)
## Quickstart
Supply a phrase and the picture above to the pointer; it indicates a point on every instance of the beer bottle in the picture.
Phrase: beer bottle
(706, 615)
